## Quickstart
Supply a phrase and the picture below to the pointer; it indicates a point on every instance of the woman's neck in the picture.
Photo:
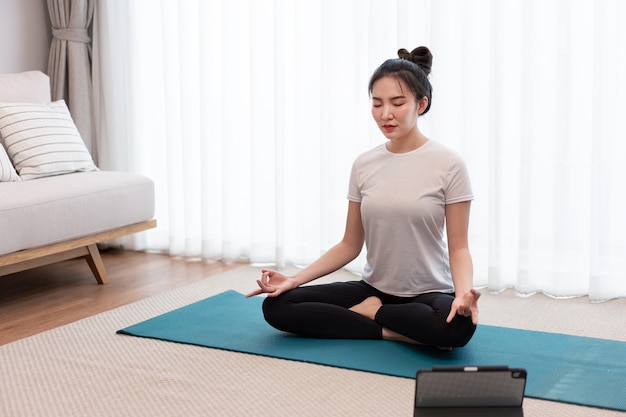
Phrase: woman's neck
(406, 144)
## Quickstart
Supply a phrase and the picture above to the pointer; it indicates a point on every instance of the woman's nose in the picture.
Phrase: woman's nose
(386, 113)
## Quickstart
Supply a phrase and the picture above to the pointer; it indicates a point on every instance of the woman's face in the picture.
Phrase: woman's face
(395, 108)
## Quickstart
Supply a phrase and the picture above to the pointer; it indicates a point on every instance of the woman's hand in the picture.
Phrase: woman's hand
(273, 284)
(465, 305)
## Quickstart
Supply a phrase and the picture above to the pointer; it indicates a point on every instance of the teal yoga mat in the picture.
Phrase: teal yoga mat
(572, 369)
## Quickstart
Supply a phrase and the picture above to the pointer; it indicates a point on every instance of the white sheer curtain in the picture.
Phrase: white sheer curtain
(248, 114)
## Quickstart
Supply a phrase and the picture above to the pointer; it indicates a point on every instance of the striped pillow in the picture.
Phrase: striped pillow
(42, 140)
(7, 172)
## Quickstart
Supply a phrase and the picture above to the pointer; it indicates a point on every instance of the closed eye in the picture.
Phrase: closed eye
(377, 104)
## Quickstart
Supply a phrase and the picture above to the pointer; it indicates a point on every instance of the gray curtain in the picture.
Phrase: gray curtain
(69, 64)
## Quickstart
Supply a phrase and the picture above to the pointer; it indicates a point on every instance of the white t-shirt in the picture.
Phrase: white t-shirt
(403, 198)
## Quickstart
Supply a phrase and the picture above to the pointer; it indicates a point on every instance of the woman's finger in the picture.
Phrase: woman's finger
(253, 293)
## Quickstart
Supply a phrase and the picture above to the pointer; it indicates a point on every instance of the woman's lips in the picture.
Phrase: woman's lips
(388, 128)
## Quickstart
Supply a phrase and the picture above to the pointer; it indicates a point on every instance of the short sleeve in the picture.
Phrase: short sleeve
(459, 186)
(354, 190)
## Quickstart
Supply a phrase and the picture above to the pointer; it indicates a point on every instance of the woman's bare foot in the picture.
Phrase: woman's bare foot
(397, 337)
(391, 335)
(368, 307)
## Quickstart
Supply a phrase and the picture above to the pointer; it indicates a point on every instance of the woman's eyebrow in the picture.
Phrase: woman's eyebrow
(391, 99)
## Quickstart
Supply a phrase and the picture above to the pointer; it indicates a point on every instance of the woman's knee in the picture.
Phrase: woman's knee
(274, 312)
(463, 332)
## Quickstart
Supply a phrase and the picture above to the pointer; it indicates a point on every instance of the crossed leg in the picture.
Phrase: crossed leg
(355, 310)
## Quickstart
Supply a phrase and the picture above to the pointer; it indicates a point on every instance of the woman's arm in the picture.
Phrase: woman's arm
(457, 224)
(274, 283)
(342, 253)
(461, 267)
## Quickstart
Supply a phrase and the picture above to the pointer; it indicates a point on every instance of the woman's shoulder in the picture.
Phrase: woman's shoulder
(371, 154)
(443, 152)
(376, 150)
(436, 146)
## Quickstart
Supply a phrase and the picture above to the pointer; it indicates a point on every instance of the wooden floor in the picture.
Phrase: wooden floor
(47, 297)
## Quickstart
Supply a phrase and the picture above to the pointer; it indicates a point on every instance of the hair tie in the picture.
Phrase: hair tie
(420, 56)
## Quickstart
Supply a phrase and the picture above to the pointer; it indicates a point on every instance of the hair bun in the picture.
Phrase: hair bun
(420, 56)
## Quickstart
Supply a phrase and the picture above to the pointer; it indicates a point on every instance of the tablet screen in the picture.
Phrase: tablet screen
(470, 387)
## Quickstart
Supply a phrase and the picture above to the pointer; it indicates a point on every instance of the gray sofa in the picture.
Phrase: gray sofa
(47, 218)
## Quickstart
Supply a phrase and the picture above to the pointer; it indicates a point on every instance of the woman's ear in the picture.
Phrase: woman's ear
(422, 104)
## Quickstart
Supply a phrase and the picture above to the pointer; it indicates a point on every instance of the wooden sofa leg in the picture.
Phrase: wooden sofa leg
(94, 260)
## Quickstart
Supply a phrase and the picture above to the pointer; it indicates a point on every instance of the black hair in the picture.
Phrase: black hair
(412, 68)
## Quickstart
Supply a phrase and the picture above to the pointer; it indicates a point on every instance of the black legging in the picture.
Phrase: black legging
(321, 311)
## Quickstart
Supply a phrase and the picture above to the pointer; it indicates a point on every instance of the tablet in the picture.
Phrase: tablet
(470, 390)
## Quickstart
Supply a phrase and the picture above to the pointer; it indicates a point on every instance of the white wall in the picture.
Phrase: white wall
(25, 35)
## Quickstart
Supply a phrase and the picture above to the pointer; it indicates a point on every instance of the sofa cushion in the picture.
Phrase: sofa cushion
(42, 139)
(54, 209)
(28, 87)
(7, 172)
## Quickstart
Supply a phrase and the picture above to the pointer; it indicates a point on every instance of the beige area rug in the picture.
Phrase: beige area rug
(85, 369)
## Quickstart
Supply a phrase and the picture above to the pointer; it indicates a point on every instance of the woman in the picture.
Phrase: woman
(401, 194)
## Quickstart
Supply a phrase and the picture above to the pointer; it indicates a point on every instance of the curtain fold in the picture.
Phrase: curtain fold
(248, 115)
(69, 64)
